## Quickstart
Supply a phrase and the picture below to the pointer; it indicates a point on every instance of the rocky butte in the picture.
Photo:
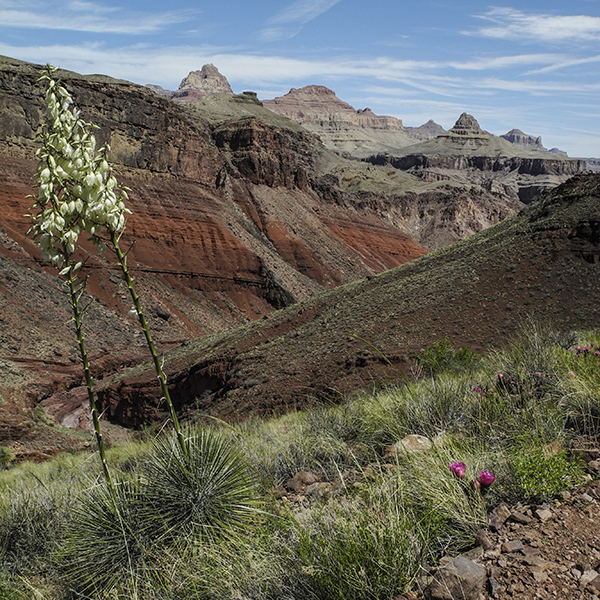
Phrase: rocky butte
(341, 127)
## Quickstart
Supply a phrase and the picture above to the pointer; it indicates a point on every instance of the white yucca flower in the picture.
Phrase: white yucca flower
(76, 189)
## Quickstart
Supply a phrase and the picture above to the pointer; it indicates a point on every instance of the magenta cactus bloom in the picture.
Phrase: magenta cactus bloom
(486, 478)
(501, 375)
(476, 484)
(459, 469)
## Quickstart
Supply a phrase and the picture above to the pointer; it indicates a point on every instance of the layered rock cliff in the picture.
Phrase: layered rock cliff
(230, 222)
(530, 142)
(467, 154)
(341, 127)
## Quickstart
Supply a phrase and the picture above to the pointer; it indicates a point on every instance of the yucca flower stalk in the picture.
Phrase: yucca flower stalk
(93, 199)
(65, 176)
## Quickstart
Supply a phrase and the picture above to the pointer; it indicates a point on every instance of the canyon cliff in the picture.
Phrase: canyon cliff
(236, 212)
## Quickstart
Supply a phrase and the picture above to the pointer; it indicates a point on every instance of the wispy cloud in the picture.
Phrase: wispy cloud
(501, 62)
(289, 21)
(565, 64)
(510, 23)
(85, 16)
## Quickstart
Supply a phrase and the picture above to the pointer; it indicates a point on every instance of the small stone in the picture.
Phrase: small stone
(461, 578)
(566, 495)
(576, 574)
(494, 522)
(502, 512)
(300, 481)
(512, 546)
(482, 539)
(536, 562)
(588, 577)
(518, 517)
(594, 466)
(586, 498)
(411, 443)
(543, 514)
(595, 584)
(540, 576)
(494, 587)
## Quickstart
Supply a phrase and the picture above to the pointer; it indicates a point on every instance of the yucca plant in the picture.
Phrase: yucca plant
(108, 545)
(74, 189)
(206, 492)
(78, 192)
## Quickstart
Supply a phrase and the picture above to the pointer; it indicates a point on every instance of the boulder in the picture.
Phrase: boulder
(461, 579)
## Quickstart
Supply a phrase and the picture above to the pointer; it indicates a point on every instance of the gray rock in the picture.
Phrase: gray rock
(495, 588)
(512, 546)
(503, 512)
(518, 517)
(588, 577)
(494, 522)
(461, 579)
(411, 443)
(482, 539)
(543, 514)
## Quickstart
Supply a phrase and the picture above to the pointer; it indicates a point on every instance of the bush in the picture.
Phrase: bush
(107, 545)
(441, 356)
(6, 457)
(540, 474)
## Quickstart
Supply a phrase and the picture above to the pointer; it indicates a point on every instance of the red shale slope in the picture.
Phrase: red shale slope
(543, 263)
(227, 222)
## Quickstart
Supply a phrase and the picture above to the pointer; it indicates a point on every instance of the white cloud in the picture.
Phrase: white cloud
(536, 87)
(500, 62)
(510, 23)
(289, 21)
(85, 16)
(565, 64)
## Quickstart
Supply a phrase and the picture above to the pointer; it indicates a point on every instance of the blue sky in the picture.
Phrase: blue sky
(529, 65)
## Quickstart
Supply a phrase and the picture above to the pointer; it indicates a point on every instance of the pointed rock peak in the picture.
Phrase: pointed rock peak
(207, 81)
(466, 125)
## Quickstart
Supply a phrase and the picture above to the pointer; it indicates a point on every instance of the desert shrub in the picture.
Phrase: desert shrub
(354, 548)
(6, 457)
(442, 356)
(540, 473)
(31, 524)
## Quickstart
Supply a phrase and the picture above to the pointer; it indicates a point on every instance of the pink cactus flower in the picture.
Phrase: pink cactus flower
(459, 469)
(486, 478)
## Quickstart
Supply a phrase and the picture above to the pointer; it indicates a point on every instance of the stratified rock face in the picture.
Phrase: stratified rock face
(340, 126)
(467, 154)
(230, 222)
(542, 264)
(530, 142)
(201, 83)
